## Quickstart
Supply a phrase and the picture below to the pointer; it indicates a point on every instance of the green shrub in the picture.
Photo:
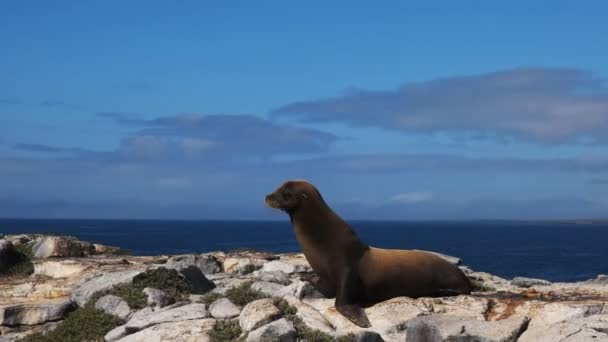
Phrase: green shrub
(225, 331)
(23, 264)
(243, 294)
(164, 279)
(209, 298)
(133, 295)
(84, 324)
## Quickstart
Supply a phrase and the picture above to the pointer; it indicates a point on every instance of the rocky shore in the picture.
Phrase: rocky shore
(57, 288)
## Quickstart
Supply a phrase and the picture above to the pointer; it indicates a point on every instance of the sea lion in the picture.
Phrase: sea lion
(359, 275)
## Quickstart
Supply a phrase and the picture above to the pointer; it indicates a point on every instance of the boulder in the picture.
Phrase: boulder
(114, 306)
(441, 328)
(9, 256)
(223, 308)
(99, 285)
(258, 313)
(62, 247)
(182, 331)
(529, 282)
(242, 265)
(34, 314)
(207, 263)
(157, 298)
(309, 316)
(165, 315)
(270, 289)
(592, 328)
(200, 284)
(116, 334)
(277, 265)
(278, 331)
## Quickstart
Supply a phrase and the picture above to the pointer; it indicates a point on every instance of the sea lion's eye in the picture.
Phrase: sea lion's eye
(287, 195)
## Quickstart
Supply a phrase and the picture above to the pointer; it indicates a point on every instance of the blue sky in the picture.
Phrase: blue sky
(446, 110)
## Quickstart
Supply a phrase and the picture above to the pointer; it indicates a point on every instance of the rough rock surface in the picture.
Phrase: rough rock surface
(258, 313)
(114, 306)
(181, 331)
(200, 284)
(33, 314)
(500, 309)
(61, 246)
(280, 330)
(223, 308)
(85, 291)
(169, 314)
(208, 264)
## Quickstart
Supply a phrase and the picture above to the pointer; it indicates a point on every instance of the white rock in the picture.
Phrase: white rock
(311, 317)
(182, 313)
(116, 334)
(104, 283)
(258, 313)
(242, 265)
(223, 308)
(270, 289)
(277, 265)
(278, 331)
(58, 268)
(157, 298)
(61, 246)
(593, 328)
(113, 305)
(182, 331)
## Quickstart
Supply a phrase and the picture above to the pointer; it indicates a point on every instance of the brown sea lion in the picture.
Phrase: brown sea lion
(359, 275)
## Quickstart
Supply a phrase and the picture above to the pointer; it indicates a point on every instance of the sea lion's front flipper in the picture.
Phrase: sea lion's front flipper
(349, 290)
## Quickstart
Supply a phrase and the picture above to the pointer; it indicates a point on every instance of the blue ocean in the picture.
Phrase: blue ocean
(557, 251)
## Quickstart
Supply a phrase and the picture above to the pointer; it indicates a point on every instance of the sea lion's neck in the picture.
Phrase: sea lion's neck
(318, 227)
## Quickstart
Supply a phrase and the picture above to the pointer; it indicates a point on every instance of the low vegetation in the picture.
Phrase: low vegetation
(134, 296)
(243, 294)
(164, 279)
(209, 298)
(22, 265)
(224, 331)
(84, 324)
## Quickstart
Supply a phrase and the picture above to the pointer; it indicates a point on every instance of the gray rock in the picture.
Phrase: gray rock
(20, 239)
(441, 328)
(14, 334)
(270, 289)
(297, 288)
(181, 331)
(182, 313)
(200, 284)
(309, 316)
(592, 328)
(116, 334)
(8, 256)
(207, 263)
(99, 285)
(61, 246)
(278, 277)
(367, 336)
(258, 313)
(529, 282)
(277, 331)
(277, 265)
(223, 308)
(34, 314)
(113, 305)
(157, 297)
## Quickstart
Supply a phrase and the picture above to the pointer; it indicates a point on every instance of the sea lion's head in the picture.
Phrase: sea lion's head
(292, 195)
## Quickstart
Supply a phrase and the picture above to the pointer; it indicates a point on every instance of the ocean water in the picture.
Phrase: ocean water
(549, 250)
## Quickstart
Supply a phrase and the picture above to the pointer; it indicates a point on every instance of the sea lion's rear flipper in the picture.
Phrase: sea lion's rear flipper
(350, 292)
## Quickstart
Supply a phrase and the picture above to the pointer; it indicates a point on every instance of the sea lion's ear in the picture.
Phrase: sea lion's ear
(304, 195)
